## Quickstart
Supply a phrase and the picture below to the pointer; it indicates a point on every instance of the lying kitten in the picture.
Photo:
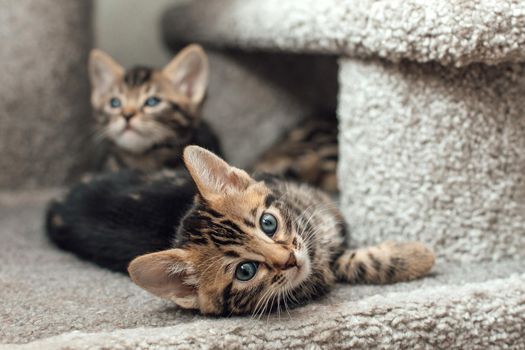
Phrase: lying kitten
(307, 153)
(243, 246)
(147, 116)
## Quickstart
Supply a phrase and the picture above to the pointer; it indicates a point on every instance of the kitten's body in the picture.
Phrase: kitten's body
(223, 259)
(307, 153)
(147, 116)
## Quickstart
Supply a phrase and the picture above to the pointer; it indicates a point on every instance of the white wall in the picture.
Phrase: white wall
(129, 30)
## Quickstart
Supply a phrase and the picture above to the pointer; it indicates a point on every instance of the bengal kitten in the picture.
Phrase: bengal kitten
(147, 116)
(244, 246)
(307, 153)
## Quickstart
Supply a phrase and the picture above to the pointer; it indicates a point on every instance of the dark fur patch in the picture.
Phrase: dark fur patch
(249, 223)
(231, 254)
(270, 198)
(103, 224)
(138, 76)
(376, 264)
(361, 272)
(226, 295)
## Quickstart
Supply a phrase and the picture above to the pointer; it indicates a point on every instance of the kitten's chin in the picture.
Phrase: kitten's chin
(132, 142)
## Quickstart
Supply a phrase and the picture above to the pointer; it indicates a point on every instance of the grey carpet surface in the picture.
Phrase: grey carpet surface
(46, 292)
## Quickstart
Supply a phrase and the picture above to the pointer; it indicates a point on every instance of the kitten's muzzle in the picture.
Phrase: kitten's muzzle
(278, 256)
(290, 263)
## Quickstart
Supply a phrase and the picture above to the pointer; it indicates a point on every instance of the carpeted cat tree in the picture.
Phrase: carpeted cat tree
(432, 147)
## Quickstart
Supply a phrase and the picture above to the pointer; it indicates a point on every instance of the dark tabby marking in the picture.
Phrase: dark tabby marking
(138, 76)
(147, 116)
(307, 153)
(223, 260)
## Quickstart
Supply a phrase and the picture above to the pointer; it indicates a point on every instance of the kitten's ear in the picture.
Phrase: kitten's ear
(212, 175)
(188, 71)
(104, 71)
(168, 274)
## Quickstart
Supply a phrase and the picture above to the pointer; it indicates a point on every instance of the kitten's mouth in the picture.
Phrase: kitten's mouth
(130, 129)
(127, 128)
(300, 272)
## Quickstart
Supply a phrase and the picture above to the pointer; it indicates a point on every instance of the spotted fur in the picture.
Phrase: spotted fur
(221, 229)
(144, 137)
(307, 153)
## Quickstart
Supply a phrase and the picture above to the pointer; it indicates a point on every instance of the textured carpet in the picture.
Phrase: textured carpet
(435, 154)
(52, 300)
(449, 32)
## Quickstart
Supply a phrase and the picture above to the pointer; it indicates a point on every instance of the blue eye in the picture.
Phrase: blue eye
(268, 224)
(152, 101)
(115, 102)
(246, 271)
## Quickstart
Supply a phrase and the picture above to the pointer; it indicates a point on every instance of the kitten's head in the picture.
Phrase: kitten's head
(141, 107)
(238, 250)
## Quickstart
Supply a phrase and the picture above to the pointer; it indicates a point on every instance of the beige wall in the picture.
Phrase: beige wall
(129, 30)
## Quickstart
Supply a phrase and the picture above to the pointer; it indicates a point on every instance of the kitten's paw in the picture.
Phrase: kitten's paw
(388, 262)
(408, 260)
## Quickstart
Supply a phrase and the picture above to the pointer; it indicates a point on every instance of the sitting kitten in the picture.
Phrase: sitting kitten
(147, 116)
(307, 153)
(243, 246)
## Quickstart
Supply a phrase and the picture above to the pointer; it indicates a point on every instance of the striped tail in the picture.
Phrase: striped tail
(388, 262)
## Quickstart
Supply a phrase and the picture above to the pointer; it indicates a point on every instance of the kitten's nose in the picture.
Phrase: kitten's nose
(291, 262)
(128, 115)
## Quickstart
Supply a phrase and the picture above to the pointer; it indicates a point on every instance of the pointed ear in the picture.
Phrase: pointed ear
(104, 71)
(188, 72)
(212, 175)
(167, 274)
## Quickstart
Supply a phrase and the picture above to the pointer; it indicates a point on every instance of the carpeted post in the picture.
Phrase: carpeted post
(434, 154)
(44, 93)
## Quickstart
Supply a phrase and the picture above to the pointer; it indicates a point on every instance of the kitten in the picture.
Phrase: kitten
(147, 116)
(243, 247)
(307, 153)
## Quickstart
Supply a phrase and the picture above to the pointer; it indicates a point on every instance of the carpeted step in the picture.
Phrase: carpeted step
(52, 300)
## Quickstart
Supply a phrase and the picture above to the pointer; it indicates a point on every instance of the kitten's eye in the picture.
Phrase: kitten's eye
(246, 271)
(268, 224)
(152, 101)
(115, 102)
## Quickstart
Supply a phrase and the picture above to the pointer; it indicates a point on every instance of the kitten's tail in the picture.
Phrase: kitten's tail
(388, 262)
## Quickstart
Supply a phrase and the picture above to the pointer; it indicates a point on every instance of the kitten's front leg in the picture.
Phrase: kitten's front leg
(388, 262)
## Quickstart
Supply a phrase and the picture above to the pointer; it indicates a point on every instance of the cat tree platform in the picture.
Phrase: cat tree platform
(52, 300)
(429, 98)
(432, 132)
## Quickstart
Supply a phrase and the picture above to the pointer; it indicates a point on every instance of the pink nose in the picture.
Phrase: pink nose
(291, 262)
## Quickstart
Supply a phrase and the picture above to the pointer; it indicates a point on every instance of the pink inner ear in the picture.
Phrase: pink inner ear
(154, 273)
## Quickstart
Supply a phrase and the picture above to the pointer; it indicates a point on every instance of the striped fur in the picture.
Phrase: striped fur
(302, 261)
(307, 153)
(145, 137)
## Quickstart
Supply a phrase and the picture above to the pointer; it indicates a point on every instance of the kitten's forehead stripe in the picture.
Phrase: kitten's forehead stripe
(138, 76)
